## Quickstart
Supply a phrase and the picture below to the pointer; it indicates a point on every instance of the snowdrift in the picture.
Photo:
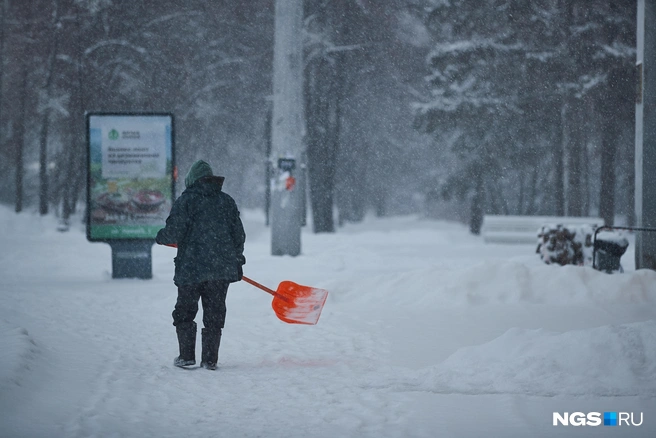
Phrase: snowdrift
(502, 282)
(18, 351)
(605, 361)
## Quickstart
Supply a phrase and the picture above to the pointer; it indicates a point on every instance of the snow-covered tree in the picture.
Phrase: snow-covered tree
(475, 68)
(519, 82)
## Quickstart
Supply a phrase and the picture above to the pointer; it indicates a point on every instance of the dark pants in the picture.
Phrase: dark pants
(212, 295)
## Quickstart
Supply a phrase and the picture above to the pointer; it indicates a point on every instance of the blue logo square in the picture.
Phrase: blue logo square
(610, 418)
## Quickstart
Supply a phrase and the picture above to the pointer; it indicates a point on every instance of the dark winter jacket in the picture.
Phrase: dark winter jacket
(205, 224)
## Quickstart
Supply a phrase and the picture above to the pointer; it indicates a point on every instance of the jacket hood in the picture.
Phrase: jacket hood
(207, 185)
(197, 171)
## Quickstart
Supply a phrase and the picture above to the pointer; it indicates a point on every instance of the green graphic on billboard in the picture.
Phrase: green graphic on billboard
(131, 168)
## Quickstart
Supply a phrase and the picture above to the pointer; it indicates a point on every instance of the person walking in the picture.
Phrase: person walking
(205, 226)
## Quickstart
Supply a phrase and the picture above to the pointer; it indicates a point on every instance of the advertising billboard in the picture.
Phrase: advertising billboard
(131, 175)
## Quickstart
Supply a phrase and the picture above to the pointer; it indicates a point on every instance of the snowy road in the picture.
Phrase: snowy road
(427, 332)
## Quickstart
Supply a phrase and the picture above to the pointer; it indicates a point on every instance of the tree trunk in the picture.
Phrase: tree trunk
(19, 138)
(321, 143)
(575, 141)
(607, 188)
(324, 91)
(268, 171)
(563, 142)
(610, 104)
(585, 202)
(45, 117)
(559, 166)
(76, 161)
(522, 189)
(477, 209)
(533, 192)
(43, 164)
(19, 135)
(630, 188)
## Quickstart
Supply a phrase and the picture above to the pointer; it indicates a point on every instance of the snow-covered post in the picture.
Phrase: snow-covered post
(645, 153)
(287, 129)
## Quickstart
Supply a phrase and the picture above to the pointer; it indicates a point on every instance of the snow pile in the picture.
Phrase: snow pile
(18, 351)
(605, 361)
(499, 281)
(616, 237)
(515, 282)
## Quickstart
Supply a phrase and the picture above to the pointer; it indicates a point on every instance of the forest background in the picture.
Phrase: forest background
(448, 108)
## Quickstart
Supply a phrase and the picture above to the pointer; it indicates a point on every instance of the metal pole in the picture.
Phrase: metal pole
(3, 23)
(645, 156)
(287, 129)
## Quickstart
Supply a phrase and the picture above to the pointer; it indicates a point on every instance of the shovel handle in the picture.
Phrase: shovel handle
(258, 285)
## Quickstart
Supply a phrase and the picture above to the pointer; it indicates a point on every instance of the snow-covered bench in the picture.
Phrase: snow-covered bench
(524, 229)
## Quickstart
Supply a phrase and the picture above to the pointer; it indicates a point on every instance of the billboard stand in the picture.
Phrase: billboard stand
(131, 185)
(132, 259)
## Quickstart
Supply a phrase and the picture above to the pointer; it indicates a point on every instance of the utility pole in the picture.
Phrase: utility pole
(287, 129)
(3, 23)
(645, 148)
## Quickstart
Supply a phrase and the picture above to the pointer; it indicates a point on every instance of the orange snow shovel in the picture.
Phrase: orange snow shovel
(294, 303)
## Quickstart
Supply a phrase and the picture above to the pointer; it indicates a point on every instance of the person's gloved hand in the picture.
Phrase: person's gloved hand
(241, 260)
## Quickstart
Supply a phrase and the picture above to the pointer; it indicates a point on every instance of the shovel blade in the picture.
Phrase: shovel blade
(298, 304)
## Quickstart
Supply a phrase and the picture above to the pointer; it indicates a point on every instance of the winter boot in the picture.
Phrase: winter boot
(187, 343)
(211, 339)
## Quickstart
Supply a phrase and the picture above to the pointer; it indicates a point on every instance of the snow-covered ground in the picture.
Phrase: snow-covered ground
(427, 332)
